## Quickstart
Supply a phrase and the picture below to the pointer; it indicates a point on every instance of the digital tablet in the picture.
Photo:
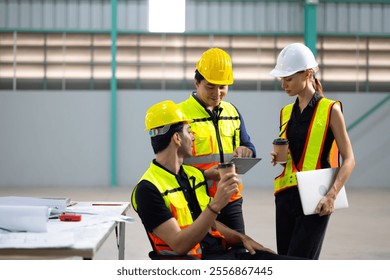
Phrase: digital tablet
(244, 164)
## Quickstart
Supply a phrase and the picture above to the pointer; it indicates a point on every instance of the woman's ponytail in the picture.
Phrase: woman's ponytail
(318, 86)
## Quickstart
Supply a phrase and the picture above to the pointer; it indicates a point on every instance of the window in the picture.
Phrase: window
(167, 60)
(167, 16)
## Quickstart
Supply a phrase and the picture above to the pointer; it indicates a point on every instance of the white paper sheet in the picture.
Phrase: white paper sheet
(24, 218)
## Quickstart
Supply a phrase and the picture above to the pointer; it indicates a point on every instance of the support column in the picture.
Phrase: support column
(311, 25)
(113, 87)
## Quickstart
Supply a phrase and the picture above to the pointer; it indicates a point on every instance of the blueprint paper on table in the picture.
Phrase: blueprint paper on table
(24, 218)
(37, 240)
(56, 205)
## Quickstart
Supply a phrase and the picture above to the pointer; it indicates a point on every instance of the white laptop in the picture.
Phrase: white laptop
(314, 184)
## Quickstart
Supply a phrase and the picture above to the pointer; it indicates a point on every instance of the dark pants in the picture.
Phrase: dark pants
(232, 217)
(296, 234)
(240, 254)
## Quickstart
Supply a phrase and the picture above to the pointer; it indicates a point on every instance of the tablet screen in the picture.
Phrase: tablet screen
(244, 164)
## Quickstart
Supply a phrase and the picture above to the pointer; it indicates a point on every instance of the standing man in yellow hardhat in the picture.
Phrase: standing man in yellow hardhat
(218, 128)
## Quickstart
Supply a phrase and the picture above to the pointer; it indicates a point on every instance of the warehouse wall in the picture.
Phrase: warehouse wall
(201, 16)
(62, 138)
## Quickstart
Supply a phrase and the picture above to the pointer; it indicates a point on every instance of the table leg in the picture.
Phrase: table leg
(121, 253)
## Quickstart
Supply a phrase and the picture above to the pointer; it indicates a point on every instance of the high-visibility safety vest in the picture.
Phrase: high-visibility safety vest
(214, 140)
(311, 157)
(176, 202)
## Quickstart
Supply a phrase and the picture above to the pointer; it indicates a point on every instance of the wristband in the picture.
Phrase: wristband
(212, 210)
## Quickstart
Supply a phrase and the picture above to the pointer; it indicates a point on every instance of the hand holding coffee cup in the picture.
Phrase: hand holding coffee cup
(212, 173)
(280, 150)
(226, 167)
(227, 185)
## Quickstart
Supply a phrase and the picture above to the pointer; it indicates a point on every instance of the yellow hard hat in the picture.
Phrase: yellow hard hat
(216, 67)
(162, 114)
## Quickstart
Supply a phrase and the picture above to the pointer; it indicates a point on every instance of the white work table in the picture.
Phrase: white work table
(71, 239)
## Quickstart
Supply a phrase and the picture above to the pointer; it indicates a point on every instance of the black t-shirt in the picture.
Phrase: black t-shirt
(151, 206)
(298, 128)
(153, 211)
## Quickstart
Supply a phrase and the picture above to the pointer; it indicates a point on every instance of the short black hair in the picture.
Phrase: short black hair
(198, 76)
(161, 142)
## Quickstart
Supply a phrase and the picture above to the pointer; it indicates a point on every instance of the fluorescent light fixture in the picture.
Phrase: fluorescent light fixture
(167, 16)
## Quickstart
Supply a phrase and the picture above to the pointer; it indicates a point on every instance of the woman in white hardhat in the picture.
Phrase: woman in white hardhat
(317, 135)
(296, 58)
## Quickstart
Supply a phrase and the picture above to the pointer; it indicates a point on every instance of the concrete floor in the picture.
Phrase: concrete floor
(360, 232)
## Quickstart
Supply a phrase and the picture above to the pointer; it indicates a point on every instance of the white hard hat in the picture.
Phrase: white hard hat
(292, 59)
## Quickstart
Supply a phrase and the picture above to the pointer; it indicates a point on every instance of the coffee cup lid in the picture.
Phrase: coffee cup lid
(280, 141)
(226, 164)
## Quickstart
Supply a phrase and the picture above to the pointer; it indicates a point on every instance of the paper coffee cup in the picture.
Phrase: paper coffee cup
(281, 149)
(226, 167)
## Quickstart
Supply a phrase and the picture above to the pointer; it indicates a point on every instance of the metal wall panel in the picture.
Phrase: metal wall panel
(3, 14)
(49, 16)
(365, 19)
(246, 17)
(353, 18)
(272, 16)
(237, 17)
(25, 14)
(12, 9)
(322, 18)
(260, 17)
(386, 19)
(37, 18)
(201, 16)
(249, 22)
(133, 15)
(84, 15)
(100, 16)
(60, 16)
(376, 18)
(55, 15)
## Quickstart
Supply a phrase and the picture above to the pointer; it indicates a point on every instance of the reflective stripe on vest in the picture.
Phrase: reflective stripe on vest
(210, 141)
(175, 201)
(311, 156)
